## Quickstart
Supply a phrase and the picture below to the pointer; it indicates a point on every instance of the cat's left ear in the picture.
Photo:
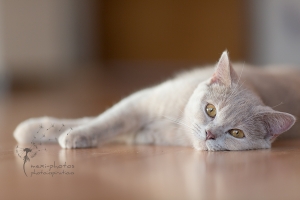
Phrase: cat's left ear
(276, 123)
(224, 73)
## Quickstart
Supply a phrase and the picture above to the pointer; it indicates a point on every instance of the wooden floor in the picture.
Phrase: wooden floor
(132, 172)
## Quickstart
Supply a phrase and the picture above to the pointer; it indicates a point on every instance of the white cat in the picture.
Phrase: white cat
(208, 109)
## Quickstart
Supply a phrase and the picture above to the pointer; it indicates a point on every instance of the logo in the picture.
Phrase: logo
(35, 147)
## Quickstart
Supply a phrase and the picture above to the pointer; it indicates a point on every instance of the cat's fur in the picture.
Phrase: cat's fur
(173, 113)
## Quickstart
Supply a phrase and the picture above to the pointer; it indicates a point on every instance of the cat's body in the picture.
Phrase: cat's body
(207, 108)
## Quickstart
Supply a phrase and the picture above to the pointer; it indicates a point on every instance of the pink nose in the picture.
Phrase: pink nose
(210, 136)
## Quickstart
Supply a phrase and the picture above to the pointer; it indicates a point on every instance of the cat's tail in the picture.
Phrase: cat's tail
(45, 129)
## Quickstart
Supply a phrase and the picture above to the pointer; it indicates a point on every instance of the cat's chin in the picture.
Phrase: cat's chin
(207, 146)
(200, 146)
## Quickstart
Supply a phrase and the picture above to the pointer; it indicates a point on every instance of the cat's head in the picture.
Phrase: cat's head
(224, 115)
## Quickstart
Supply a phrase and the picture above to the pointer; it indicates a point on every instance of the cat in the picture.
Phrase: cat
(213, 108)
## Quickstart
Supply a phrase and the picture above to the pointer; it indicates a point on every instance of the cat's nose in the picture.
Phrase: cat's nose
(209, 135)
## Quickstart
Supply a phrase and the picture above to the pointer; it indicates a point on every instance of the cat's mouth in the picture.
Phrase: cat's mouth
(211, 145)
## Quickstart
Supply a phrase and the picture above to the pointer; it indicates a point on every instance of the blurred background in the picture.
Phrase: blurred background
(70, 58)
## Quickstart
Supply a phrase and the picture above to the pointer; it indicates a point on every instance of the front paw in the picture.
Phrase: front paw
(28, 130)
(77, 139)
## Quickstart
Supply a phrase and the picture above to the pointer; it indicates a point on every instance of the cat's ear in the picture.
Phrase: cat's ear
(224, 73)
(277, 123)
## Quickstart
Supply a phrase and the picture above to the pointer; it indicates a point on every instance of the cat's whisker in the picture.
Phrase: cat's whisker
(240, 91)
(178, 122)
(278, 105)
(189, 117)
(241, 73)
(182, 128)
(193, 130)
(239, 77)
(241, 85)
(198, 128)
(182, 125)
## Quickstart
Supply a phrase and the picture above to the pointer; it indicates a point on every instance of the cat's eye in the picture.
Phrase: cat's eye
(211, 110)
(236, 133)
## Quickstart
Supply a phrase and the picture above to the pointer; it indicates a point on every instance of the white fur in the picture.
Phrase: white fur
(173, 113)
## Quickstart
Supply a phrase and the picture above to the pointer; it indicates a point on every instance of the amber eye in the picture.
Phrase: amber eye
(236, 133)
(211, 110)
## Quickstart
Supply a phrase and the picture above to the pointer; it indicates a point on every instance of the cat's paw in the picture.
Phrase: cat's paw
(77, 138)
(36, 129)
(21, 130)
(27, 130)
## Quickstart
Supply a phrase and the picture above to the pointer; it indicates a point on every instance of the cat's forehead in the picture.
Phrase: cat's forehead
(227, 95)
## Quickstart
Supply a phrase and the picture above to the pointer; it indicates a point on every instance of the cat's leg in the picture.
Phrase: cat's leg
(45, 129)
(126, 117)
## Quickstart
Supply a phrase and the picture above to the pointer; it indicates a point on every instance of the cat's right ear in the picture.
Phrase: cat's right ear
(224, 73)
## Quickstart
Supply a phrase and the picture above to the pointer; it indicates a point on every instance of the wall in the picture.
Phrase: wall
(172, 30)
(3, 75)
(44, 40)
(275, 32)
